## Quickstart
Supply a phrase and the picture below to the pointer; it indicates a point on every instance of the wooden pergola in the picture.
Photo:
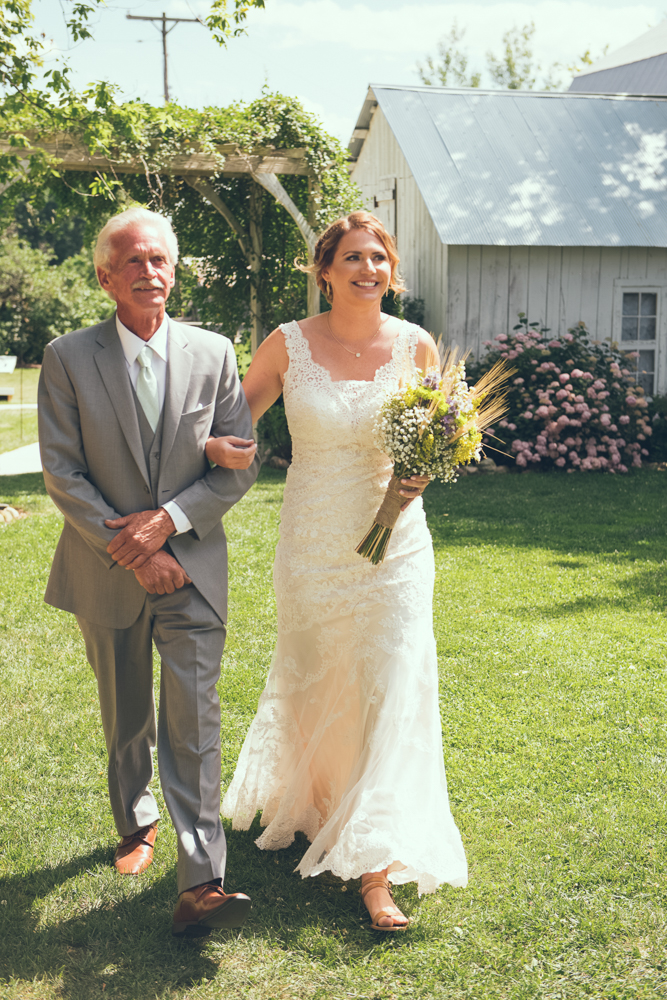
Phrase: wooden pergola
(196, 168)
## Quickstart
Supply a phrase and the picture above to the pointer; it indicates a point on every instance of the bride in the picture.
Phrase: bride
(346, 745)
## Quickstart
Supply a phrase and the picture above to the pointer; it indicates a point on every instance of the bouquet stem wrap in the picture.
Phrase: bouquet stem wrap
(374, 544)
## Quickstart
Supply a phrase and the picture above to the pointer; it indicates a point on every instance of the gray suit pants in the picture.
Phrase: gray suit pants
(190, 638)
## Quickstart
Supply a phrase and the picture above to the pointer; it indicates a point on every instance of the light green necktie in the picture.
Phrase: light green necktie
(147, 390)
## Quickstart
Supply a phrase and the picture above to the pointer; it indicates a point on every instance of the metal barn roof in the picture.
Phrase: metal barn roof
(640, 67)
(652, 43)
(526, 168)
(646, 76)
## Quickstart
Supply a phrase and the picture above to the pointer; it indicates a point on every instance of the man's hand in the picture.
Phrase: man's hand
(143, 534)
(161, 574)
(231, 452)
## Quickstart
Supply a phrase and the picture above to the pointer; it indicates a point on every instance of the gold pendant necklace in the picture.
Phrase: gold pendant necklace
(357, 354)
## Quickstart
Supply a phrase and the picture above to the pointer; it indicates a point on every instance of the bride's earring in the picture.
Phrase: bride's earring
(329, 290)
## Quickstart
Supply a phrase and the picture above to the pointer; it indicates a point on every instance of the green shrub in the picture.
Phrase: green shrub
(414, 309)
(273, 433)
(40, 300)
(392, 304)
(657, 411)
(573, 403)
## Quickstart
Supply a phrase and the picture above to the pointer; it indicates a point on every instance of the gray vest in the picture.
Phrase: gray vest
(152, 444)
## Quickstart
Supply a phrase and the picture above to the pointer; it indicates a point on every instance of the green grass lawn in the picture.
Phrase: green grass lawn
(29, 377)
(18, 428)
(551, 626)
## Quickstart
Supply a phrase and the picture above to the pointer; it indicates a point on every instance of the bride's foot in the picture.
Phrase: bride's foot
(376, 894)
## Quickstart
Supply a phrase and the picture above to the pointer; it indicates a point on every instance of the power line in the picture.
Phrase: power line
(165, 31)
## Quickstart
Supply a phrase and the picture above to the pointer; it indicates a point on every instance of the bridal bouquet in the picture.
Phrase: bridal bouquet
(430, 427)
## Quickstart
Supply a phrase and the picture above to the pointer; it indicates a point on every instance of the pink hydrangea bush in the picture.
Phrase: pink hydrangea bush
(573, 403)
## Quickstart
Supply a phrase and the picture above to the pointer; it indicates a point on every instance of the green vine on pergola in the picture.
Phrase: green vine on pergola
(232, 157)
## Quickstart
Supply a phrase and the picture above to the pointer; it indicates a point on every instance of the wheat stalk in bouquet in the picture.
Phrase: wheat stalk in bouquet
(430, 427)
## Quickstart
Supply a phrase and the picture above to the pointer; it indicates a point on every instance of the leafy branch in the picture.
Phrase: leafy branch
(224, 24)
(451, 65)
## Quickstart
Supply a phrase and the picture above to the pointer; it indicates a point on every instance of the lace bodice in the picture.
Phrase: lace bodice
(336, 482)
(318, 406)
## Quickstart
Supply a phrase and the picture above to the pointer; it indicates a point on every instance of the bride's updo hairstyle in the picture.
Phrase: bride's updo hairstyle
(325, 249)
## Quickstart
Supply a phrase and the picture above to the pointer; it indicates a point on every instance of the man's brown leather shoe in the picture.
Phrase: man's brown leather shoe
(135, 853)
(205, 908)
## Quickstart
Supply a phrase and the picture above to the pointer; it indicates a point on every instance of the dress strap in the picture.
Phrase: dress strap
(298, 349)
(413, 341)
(405, 348)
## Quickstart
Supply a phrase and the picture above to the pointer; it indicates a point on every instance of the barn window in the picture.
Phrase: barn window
(640, 315)
(639, 326)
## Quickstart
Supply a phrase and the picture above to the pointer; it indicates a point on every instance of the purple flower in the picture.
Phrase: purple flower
(448, 422)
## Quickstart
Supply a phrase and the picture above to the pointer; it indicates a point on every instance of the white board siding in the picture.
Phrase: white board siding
(556, 286)
(538, 279)
(423, 256)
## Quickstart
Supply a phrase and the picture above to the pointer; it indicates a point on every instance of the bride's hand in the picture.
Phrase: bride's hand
(231, 452)
(413, 488)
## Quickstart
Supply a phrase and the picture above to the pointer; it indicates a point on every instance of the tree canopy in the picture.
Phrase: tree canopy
(218, 282)
(241, 269)
(46, 103)
(39, 301)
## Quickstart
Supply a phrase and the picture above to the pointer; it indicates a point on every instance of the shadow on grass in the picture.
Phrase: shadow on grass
(26, 492)
(125, 946)
(125, 942)
(578, 515)
(28, 482)
(646, 588)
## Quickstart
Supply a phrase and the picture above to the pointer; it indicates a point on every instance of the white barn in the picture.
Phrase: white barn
(550, 204)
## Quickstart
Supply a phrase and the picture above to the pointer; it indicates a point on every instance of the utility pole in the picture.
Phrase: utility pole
(165, 31)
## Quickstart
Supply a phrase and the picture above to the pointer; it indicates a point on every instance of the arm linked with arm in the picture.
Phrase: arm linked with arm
(64, 461)
(209, 498)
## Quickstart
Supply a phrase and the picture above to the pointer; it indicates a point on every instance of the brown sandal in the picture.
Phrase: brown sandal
(382, 882)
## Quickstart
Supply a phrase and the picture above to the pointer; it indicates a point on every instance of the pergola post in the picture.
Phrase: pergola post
(255, 228)
(314, 197)
(305, 225)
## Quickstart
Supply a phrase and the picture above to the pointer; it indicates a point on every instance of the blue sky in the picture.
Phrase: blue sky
(324, 51)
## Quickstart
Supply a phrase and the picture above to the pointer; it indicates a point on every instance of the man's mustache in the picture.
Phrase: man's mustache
(143, 286)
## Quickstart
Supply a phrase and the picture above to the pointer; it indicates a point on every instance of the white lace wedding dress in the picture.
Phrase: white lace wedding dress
(346, 745)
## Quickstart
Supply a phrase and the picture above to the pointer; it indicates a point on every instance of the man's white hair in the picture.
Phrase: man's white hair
(133, 217)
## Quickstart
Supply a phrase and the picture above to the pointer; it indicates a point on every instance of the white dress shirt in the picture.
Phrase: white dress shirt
(159, 343)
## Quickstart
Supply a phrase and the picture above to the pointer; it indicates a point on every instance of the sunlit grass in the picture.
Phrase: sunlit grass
(24, 383)
(17, 428)
(550, 620)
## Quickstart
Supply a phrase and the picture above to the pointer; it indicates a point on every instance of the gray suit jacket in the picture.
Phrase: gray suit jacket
(94, 465)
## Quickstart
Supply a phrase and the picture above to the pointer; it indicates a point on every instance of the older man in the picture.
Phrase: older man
(125, 409)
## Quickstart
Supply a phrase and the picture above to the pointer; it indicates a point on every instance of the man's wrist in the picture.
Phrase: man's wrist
(166, 521)
(181, 522)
